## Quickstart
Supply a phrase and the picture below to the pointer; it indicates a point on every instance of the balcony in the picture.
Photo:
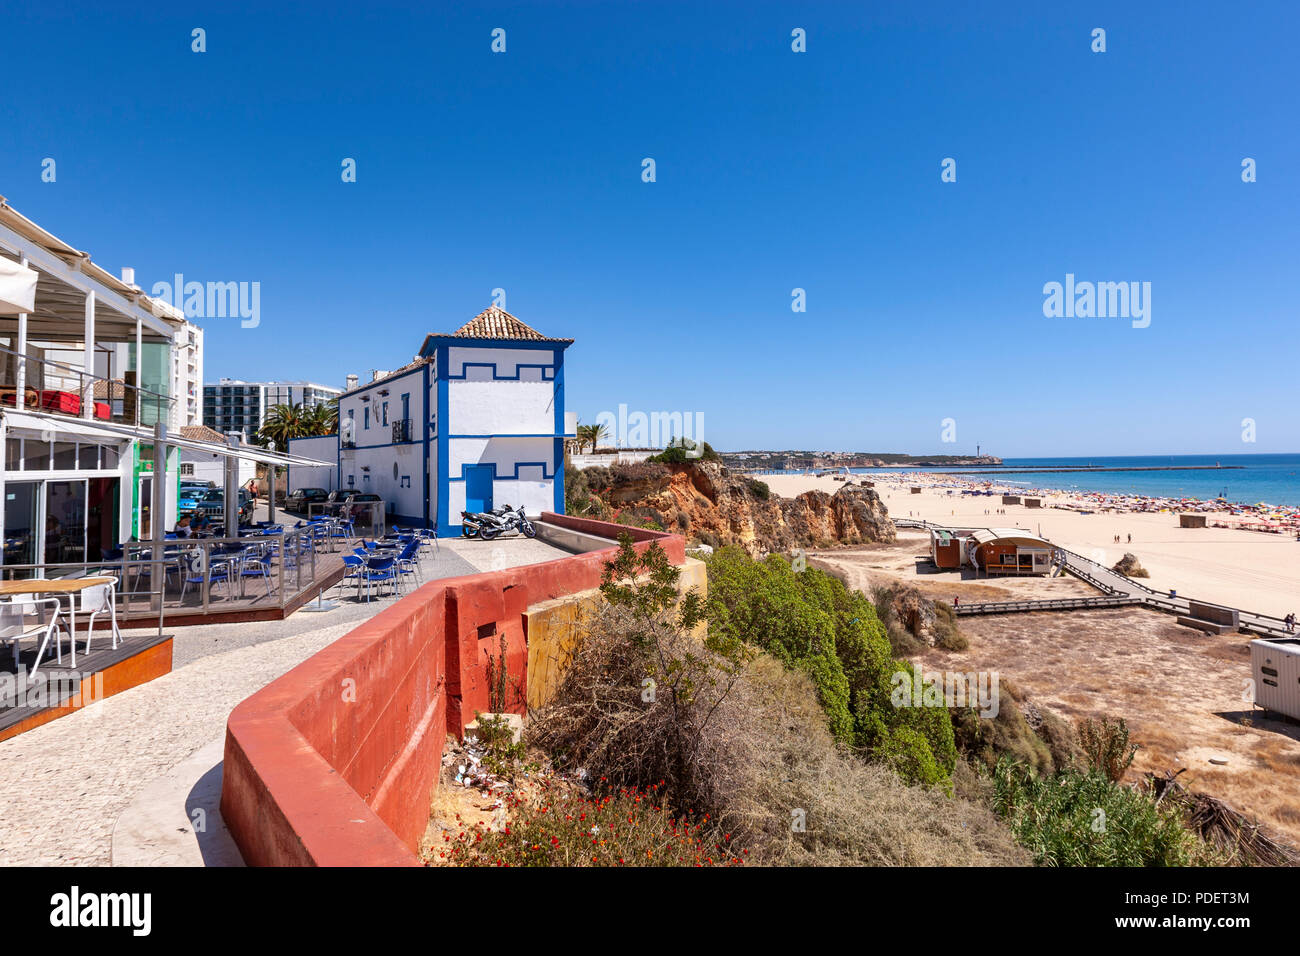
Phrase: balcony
(402, 431)
(67, 389)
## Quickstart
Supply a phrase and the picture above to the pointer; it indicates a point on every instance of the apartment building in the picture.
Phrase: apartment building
(233, 405)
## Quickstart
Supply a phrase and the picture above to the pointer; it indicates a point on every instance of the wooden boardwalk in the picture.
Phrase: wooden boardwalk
(1116, 589)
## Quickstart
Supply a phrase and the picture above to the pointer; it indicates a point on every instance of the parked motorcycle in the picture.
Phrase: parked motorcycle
(511, 521)
(471, 522)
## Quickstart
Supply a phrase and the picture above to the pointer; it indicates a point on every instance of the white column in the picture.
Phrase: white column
(21, 376)
(88, 397)
(139, 347)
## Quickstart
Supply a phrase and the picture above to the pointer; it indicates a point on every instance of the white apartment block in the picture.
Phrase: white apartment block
(233, 405)
(187, 374)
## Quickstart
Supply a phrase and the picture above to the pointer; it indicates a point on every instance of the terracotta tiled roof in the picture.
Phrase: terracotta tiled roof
(496, 323)
(102, 389)
(202, 433)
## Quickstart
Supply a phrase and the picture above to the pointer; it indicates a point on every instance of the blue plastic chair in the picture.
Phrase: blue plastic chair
(379, 570)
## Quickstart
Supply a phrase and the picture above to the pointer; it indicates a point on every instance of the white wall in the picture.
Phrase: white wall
(212, 468)
(481, 405)
(323, 447)
(532, 489)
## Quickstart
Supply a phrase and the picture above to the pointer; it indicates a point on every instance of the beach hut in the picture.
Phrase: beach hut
(1033, 502)
(1011, 499)
(916, 489)
(1005, 551)
(1191, 521)
(945, 548)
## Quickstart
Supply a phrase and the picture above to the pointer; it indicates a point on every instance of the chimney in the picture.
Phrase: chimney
(350, 383)
(128, 276)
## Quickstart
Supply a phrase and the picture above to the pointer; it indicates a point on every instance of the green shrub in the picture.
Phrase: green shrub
(1084, 819)
(637, 521)
(680, 451)
(946, 632)
(1106, 746)
(986, 740)
(759, 489)
(811, 622)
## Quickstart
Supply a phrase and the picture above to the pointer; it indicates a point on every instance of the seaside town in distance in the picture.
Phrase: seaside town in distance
(368, 524)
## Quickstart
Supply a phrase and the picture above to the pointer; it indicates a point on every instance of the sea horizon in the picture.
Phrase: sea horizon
(1243, 479)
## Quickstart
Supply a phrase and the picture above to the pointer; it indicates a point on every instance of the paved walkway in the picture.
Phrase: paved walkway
(64, 784)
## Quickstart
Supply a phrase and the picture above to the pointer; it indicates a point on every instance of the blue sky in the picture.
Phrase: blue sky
(775, 170)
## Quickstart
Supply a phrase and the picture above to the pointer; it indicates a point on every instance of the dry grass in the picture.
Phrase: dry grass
(1179, 690)
(760, 759)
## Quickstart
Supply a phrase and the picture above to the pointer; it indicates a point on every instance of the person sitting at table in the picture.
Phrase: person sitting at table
(199, 524)
(183, 529)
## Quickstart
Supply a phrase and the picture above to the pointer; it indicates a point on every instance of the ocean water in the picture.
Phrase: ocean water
(1273, 479)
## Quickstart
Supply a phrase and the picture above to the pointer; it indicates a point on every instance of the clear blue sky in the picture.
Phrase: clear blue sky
(775, 170)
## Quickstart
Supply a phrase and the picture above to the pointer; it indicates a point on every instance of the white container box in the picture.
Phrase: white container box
(1275, 665)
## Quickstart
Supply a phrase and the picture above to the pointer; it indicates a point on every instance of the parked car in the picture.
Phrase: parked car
(302, 499)
(212, 505)
(191, 493)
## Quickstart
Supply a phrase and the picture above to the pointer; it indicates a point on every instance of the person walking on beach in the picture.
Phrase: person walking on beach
(1130, 537)
(1289, 621)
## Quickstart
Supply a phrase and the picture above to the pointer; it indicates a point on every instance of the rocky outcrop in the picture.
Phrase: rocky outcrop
(915, 612)
(707, 503)
(1129, 566)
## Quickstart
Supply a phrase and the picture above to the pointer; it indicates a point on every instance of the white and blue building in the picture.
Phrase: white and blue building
(475, 421)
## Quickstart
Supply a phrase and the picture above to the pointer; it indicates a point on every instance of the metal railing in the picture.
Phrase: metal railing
(268, 568)
(402, 431)
(67, 389)
(364, 519)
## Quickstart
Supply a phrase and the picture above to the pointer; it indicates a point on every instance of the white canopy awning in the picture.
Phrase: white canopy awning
(82, 426)
(17, 287)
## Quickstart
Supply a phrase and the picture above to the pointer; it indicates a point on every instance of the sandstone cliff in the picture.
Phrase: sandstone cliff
(707, 503)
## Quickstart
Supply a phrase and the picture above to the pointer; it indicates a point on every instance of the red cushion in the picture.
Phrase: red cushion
(102, 410)
(61, 401)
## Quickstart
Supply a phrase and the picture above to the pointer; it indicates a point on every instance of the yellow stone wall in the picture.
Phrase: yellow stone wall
(552, 628)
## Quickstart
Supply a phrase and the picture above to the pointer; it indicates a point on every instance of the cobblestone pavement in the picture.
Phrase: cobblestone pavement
(63, 784)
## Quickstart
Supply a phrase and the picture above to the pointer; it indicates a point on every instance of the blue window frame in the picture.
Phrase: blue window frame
(366, 417)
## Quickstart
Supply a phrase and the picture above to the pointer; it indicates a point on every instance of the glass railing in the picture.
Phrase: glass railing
(50, 386)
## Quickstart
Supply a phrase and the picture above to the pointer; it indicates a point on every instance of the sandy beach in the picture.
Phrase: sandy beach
(1246, 569)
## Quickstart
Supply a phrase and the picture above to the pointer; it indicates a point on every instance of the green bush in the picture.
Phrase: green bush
(759, 489)
(811, 622)
(682, 450)
(1080, 818)
(1106, 746)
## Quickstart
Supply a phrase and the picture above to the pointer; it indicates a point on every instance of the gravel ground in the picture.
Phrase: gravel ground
(65, 783)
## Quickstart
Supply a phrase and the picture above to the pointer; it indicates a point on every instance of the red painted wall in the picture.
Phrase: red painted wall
(334, 763)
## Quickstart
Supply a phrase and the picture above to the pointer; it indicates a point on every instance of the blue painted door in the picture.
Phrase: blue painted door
(478, 487)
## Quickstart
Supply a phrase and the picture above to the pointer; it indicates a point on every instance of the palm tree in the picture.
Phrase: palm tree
(323, 419)
(591, 434)
(284, 422)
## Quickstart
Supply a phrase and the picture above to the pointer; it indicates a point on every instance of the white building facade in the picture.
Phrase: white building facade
(476, 421)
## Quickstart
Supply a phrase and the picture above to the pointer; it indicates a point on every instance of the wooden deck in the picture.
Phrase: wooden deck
(61, 689)
(230, 606)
